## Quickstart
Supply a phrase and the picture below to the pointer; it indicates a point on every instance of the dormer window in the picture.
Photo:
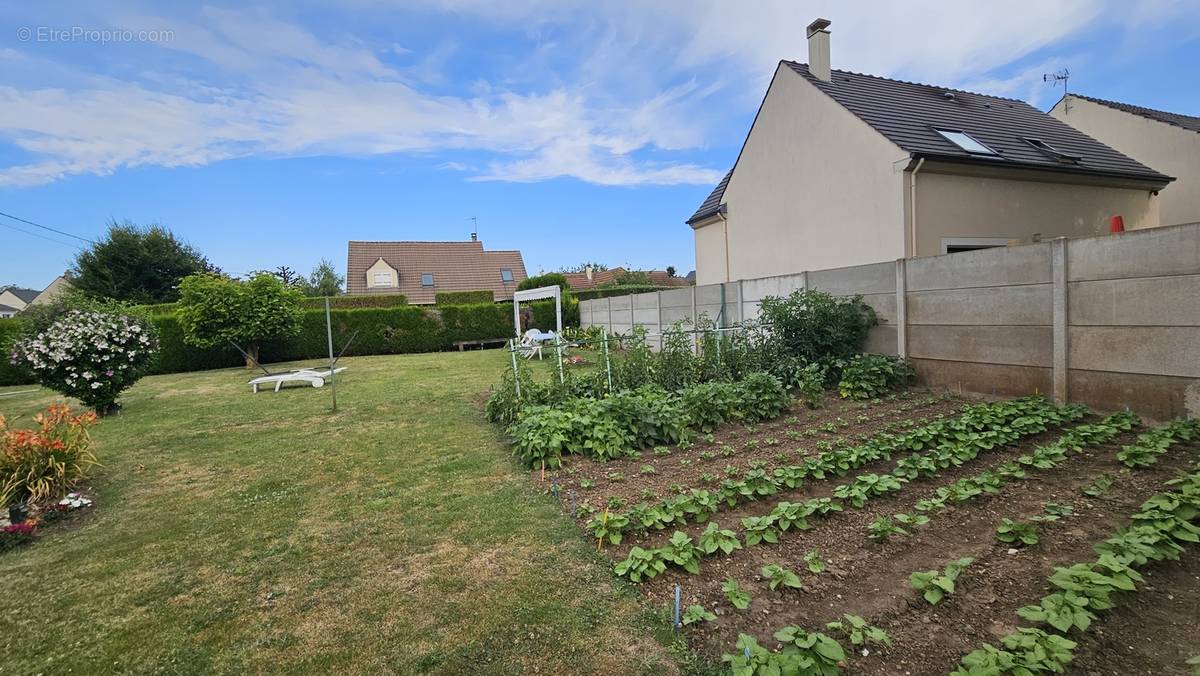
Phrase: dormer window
(965, 141)
(1052, 152)
(381, 279)
(427, 279)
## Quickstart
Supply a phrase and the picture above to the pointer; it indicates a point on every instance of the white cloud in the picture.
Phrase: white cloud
(607, 93)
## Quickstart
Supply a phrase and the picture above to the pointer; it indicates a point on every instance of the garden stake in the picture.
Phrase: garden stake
(607, 363)
(603, 522)
(516, 377)
(562, 378)
(332, 360)
(678, 619)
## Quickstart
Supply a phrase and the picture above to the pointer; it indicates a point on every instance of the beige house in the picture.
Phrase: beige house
(843, 169)
(14, 299)
(420, 270)
(1169, 142)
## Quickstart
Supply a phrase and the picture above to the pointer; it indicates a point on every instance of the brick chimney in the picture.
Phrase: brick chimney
(818, 49)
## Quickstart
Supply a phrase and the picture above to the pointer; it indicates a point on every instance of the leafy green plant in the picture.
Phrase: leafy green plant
(882, 529)
(640, 564)
(608, 526)
(647, 469)
(714, 539)
(1010, 531)
(682, 552)
(859, 632)
(935, 586)
(778, 576)
(695, 614)
(733, 592)
(814, 562)
(585, 483)
(810, 652)
(870, 375)
(911, 520)
(760, 529)
(1052, 511)
(761, 396)
(615, 477)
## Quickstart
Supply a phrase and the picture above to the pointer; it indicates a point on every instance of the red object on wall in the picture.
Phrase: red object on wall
(1116, 224)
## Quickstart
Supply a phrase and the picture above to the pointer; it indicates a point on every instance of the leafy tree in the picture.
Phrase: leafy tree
(323, 281)
(137, 264)
(813, 325)
(582, 267)
(215, 310)
(670, 270)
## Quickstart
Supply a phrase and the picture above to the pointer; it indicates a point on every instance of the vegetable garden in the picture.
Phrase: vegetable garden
(815, 517)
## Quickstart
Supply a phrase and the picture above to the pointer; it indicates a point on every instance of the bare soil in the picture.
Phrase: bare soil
(1152, 632)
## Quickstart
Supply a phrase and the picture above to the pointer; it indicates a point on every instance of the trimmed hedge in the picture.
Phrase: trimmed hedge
(399, 329)
(464, 297)
(348, 302)
(9, 374)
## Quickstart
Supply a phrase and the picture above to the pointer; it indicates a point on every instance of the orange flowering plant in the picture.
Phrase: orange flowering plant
(43, 463)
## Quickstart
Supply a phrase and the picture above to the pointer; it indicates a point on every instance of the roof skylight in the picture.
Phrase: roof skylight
(1056, 154)
(966, 142)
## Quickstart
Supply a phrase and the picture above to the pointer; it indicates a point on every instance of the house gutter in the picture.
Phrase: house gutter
(912, 208)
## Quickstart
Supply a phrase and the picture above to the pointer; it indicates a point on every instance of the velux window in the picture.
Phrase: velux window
(965, 141)
(427, 279)
(506, 275)
(1054, 153)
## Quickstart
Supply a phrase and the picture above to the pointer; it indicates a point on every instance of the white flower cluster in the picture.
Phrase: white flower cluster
(75, 501)
(84, 351)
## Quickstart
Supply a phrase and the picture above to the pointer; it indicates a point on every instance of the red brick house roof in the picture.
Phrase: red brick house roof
(454, 266)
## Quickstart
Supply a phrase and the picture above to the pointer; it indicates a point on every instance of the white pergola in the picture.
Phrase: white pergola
(537, 294)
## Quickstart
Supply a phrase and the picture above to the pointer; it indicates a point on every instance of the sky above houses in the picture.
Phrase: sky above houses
(270, 134)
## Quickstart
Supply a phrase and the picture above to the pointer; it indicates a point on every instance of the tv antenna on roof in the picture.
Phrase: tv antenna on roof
(474, 228)
(1054, 78)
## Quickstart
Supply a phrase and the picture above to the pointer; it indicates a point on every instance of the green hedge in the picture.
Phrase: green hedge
(464, 297)
(348, 302)
(605, 292)
(9, 374)
(399, 329)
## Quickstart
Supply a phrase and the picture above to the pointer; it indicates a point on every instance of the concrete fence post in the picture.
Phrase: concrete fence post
(608, 304)
(1060, 334)
(695, 322)
(658, 320)
(804, 280)
(902, 308)
(741, 306)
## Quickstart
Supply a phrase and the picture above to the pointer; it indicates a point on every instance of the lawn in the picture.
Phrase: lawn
(263, 533)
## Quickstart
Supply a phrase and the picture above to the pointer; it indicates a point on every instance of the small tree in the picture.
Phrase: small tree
(813, 325)
(136, 264)
(323, 281)
(215, 310)
(670, 270)
(92, 356)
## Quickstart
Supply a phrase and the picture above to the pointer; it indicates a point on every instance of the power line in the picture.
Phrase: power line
(46, 227)
(40, 236)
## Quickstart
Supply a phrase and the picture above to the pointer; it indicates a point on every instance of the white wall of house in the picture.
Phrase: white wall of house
(965, 207)
(1166, 148)
(815, 187)
(710, 251)
(54, 290)
(12, 300)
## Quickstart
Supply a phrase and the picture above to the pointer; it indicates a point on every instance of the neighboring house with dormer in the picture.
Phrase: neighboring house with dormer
(591, 278)
(1169, 142)
(841, 169)
(14, 299)
(420, 270)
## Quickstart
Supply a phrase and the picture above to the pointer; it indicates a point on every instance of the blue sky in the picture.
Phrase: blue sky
(270, 134)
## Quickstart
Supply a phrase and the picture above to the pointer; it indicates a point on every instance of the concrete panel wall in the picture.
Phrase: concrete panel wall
(1108, 321)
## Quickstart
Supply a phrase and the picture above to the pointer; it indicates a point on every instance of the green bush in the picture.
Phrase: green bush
(549, 279)
(464, 297)
(349, 302)
(10, 329)
(175, 356)
(543, 313)
(813, 325)
(867, 376)
(622, 290)
(762, 396)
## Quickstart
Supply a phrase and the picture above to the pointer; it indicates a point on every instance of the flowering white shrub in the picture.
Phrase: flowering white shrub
(92, 356)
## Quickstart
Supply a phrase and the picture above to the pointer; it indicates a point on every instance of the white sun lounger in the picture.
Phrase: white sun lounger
(315, 377)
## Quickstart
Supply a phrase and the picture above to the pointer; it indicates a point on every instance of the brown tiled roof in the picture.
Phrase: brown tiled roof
(455, 266)
(580, 282)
